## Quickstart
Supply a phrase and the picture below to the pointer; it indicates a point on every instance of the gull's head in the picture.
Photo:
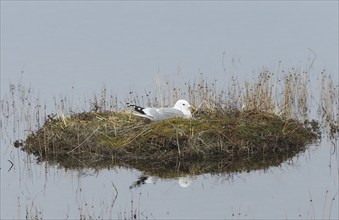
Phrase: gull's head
(183, 106)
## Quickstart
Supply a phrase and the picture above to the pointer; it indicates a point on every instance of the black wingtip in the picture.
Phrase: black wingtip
(137, 108)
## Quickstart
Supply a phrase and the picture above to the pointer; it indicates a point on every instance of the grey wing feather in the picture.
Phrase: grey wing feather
(158, 114)
(166, 113)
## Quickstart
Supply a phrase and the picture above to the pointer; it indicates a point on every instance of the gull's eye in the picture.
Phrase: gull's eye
(183, 104)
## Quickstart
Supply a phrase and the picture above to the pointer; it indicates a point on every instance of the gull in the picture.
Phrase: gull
(181, 109)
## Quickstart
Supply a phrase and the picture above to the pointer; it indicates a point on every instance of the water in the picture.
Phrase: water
(125, 45)
(62, 49)
(280, 192)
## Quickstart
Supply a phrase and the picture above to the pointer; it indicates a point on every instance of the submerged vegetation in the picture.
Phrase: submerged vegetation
(253, 126)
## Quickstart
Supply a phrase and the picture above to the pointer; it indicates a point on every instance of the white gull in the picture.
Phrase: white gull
(181, 109)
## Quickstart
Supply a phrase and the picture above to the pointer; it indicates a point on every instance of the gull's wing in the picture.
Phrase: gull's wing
(166, 113)
(157, 114)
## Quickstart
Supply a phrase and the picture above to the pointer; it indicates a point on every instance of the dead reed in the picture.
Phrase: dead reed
(259, 123)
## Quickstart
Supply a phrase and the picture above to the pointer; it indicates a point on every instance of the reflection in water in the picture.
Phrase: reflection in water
(106, 193)
(184, 181)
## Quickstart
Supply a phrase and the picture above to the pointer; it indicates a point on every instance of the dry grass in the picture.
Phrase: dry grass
(255, 125)
(220, 139)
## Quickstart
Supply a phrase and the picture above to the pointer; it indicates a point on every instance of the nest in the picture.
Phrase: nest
(213, 141)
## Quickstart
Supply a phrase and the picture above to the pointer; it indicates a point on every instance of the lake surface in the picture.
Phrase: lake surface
(73, 50)
(301, 188)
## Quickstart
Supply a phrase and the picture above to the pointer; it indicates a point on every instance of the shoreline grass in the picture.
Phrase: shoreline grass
(261, 123)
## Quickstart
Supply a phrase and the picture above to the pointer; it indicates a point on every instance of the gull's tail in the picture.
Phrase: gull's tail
(137, 108)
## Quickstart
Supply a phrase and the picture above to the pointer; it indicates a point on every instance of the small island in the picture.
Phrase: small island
(238, 130)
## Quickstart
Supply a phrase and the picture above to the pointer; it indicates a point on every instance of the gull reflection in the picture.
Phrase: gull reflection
(183, 181)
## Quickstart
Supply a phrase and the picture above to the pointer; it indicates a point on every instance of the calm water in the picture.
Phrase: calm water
(280, 192)
(74, 49)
